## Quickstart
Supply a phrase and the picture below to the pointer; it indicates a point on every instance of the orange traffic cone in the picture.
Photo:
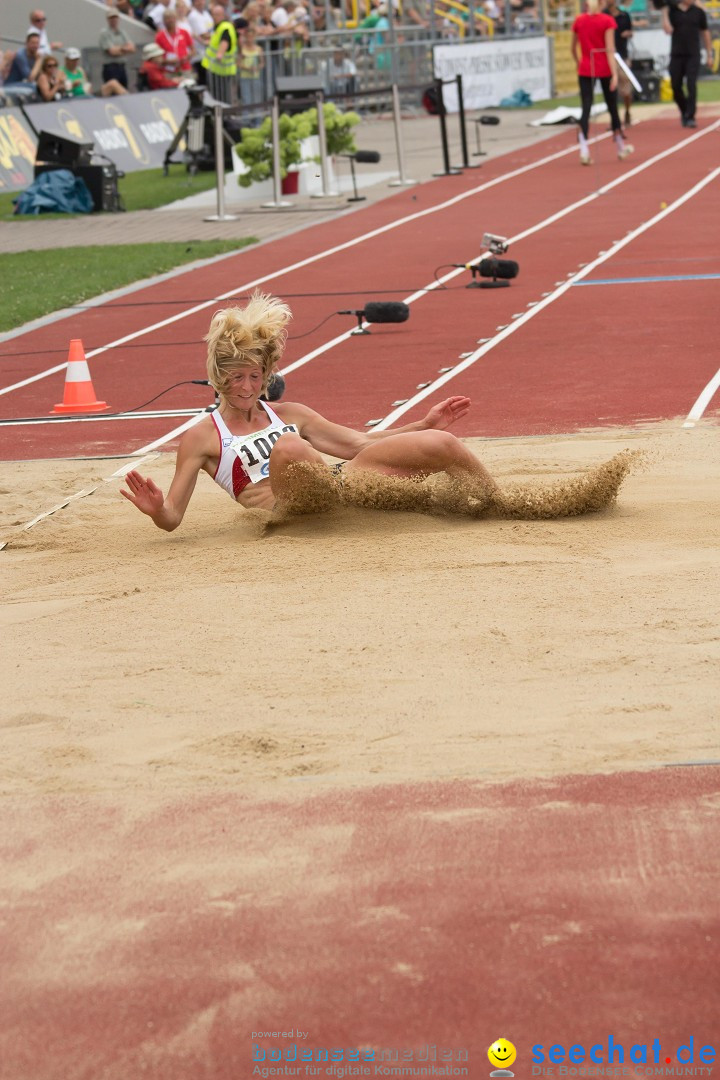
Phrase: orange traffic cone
(79, 396)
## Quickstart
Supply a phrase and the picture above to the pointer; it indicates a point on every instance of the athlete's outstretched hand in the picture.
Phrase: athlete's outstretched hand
(143, 493)
(445, 413)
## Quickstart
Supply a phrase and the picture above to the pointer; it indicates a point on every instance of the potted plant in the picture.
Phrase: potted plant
(256, 153)
(255, 148)
(338, 128)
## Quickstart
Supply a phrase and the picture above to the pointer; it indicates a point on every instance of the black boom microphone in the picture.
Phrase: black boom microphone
(386, 311)
(379, 311)
(275, 387)
(505, 269)
(366, 157)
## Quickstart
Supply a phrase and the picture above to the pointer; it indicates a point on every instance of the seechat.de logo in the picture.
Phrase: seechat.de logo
(502, 1054)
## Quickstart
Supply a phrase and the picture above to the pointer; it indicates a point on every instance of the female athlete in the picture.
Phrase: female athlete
(593, 49)
(250, 449)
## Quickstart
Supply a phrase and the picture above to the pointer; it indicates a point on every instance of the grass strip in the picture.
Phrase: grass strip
(708, 90)
(35, 283)
(144, 190)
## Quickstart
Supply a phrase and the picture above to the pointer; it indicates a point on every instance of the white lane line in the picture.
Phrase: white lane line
(472, 359)
(388, 420)
(438, 283)
(703, 401)
(145, 454)
(80, 495)
(343, 247)
(172, 434)
(306, 262)
(160, 414)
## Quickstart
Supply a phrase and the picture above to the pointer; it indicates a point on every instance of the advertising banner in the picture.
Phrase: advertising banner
(133, 131)
(17, 150)
(492, 70)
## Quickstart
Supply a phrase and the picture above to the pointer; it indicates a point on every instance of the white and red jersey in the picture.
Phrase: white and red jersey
(245, 459)
(177, 48)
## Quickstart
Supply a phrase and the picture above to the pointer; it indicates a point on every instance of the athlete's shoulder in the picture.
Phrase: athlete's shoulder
(291, 411)
(200, 439)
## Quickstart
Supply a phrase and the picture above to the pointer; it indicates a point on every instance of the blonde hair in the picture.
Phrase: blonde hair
(253, 336)
(593, 6)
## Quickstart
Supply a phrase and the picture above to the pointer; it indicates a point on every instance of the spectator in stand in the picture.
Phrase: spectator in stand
(251, 13)
(319, 20)
(154, 13)
(218, 68)
(51, 80)
(288, 17)
(261, 19)
(301, 20)
(241, 25)
(342, 75)
(177, 44)
(77, 81)
(182, 10)
(116, 45)
(415, 13)
(525, 16)
(297, 28)
(153, 73)
(25, 67)
(132, 8)
(201, 25)
(290, 31)
(251, 63)
(38, 21)
(378, 21)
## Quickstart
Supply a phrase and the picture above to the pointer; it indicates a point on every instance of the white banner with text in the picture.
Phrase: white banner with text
(492, 70)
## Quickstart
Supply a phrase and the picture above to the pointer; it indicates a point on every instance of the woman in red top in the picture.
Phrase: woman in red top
(176, 43)
(593, 48)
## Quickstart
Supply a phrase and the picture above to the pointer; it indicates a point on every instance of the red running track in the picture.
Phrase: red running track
(599, 355)
(552, 912)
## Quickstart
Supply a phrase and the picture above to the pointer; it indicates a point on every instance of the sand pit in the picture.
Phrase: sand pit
(359, 646)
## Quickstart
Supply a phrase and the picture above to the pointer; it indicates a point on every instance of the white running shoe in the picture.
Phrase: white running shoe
(585, 159)
(626, 151)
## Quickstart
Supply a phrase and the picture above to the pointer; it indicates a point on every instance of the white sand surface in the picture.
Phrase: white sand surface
(361, 646)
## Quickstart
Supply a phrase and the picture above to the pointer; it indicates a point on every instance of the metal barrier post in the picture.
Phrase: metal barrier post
(401, 181)
(220, 169)
(443, 132)
(277, 203)
(325, 193)
(463, 130)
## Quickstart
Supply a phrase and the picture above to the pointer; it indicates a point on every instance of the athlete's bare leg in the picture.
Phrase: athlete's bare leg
(421, 453)
(289, 450)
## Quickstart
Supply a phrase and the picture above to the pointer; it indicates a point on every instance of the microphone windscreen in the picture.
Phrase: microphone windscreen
(386, 311)
(370, 157)
(276, 387)
(499, 268)
(490, 120)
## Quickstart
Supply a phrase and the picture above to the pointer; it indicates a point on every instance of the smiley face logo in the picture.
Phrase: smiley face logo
(502, 1054)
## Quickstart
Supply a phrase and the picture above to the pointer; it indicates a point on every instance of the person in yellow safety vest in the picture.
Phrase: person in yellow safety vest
(219, 64)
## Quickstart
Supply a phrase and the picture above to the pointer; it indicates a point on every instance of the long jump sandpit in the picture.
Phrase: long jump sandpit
(394, 780)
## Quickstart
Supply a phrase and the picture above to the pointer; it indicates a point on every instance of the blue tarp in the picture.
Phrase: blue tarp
(518, 100)
(56, 192)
